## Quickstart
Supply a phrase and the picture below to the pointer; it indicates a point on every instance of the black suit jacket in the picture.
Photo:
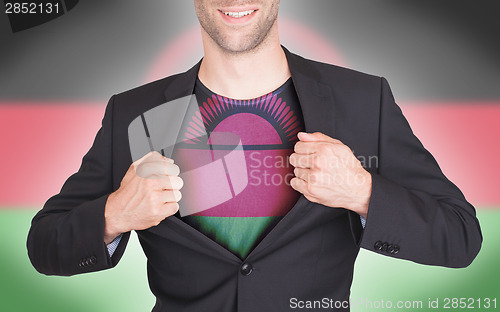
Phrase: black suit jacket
(415, 212)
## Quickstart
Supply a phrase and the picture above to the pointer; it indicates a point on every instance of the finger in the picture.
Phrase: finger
(132, 170)
(172, 183)
(171, 208)
(169, 160)
(157, 157)
(311, 176)
(157, 169)
(150, 155)
(151, 170)
(301, 186)
(316, 137)
(302, 173)
(172, 169)
(304, 147)
(302, 161)
(171, 196)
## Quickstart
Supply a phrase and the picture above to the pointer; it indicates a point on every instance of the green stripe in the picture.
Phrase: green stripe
(125, 287)
(238, 234)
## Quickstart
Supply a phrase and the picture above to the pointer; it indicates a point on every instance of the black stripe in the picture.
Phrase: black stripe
(145, 125)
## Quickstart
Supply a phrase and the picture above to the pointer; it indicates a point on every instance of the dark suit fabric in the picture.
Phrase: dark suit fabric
(310, 254)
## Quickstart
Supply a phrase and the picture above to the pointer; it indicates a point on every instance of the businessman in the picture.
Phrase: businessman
(268, 242)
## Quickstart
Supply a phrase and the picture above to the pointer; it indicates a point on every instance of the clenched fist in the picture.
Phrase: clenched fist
(327, 172)
(148, 193)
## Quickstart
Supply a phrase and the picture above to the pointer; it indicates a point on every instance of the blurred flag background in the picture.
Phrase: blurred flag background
(440, 57)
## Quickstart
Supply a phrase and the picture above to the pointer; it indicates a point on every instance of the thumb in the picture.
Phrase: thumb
(316, 137)
(151, 156)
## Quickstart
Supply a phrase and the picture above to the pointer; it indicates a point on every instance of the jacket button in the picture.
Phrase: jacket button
(390, 249)
(393, 249)
(83, 263)
(384, 246)
(396, 249)
(378, 245)
(246, 269)
(93, 260)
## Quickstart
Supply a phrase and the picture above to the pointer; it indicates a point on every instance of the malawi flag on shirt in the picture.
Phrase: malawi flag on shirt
(250, 190)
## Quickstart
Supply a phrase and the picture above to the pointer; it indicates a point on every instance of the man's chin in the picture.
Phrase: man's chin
(239, 46)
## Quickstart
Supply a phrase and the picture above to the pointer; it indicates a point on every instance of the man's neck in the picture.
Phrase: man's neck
(246, 75)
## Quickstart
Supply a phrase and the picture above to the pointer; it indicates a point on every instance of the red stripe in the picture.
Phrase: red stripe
(464, 139)
(43, 143)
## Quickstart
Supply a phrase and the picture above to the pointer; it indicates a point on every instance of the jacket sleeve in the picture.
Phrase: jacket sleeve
(415, 212)
(67, 236)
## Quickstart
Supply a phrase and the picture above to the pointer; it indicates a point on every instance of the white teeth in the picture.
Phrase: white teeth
(239, 14)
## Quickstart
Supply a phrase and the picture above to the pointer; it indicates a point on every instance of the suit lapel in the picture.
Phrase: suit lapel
(315, 97)
(183, 88)
(182, 84)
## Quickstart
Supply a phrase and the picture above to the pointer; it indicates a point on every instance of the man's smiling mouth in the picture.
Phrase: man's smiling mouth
(239, 14)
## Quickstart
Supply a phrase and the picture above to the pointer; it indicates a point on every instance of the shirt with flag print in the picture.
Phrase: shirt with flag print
(259, 195)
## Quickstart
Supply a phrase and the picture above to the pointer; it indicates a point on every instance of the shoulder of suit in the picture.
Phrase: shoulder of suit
(130, 104)
(149, 89)
(335, 73)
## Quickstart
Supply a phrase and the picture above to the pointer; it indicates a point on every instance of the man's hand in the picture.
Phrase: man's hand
(148, 193)
(327, 172)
